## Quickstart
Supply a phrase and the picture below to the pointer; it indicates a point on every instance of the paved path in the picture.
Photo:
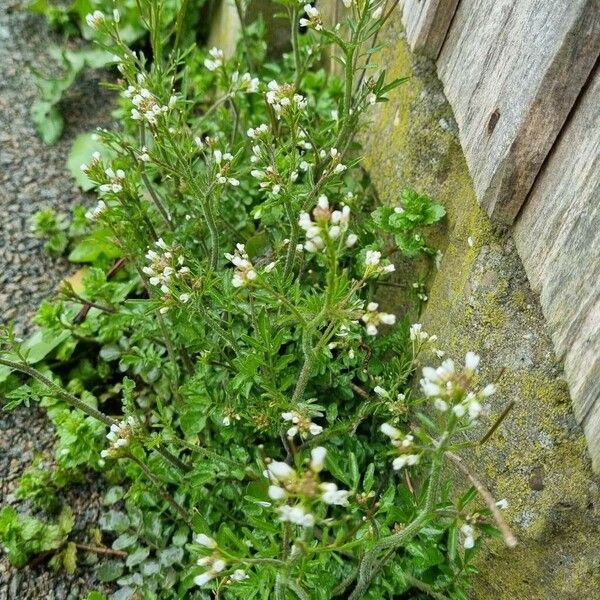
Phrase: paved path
(32, 176)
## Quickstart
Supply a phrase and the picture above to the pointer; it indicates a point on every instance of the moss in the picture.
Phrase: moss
(480, 300)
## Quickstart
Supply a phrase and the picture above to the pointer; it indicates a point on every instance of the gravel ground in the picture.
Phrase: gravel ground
(32, 176)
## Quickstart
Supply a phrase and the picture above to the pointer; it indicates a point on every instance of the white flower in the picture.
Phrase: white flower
(280, 470)
(239, 575)
(372, 318)
(488, 390)
(216, 60)
(351, 240)
(468, 531)
(372, 257)
(205, 540)
(296, 514)
(415, 331)
(405, 460)
(459, 410)
(440, 405)
(430, 389)
(381, 391)
(203, 578)
(244, 272)
(331, 494)
(276, 492)
(471, 362)
(390, 431)
(218, 565)
(185, 298)
(318, 458)
(95, 19)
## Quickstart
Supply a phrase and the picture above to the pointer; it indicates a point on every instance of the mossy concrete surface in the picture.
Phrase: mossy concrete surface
(480, 300)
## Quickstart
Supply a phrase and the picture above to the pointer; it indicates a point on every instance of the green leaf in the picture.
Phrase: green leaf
(137, 556)
(48, 121)
(81, 152)
(170, 556)
(41, 343)
(69, 558)
(369, 478)
(124, 541)
(93, 246)
(114, 494)
(110, 571)
(66, 520)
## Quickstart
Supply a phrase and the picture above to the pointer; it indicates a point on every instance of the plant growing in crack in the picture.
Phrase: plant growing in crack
(256, 400)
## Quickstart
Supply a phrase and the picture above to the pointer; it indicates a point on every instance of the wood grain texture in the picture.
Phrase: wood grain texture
(426, 23)
(512, 70)
(558, 237)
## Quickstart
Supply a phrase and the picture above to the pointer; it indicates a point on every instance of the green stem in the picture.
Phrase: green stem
(366, 569)
(165, 495)
(58, 391)
(296, 47)
(246, 42)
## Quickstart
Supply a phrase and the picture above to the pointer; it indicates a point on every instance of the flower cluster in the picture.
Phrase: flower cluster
(95, 212)
(115, 181)
(245, 83)
(403, 443)
(223, 162)
(163, 267)
(422, 339)
(372, 318)
(214, 562)
(269, 178)
(450, 388)
(337, 167)
(300, 424)
(327, 224)
(286, 484)
(216, 59)
(284, 97)
(314, 18)
(257, 132)
(244, 269)
(95, 19)
(374, 266)
(146, 106)
(120, 435)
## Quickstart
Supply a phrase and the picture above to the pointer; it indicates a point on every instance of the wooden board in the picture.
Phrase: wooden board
(426, 23)
(558, 237)
(512, 70)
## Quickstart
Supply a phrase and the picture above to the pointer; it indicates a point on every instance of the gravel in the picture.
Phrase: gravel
(33, 176)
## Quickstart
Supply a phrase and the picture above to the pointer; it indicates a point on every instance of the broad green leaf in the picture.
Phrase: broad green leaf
(81, 152)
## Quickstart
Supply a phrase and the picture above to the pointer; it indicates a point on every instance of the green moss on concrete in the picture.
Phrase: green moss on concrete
(480, 300)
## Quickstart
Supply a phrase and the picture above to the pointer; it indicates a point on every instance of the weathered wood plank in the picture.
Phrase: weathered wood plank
(558, 237)
(426, 23)
(512, 70)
